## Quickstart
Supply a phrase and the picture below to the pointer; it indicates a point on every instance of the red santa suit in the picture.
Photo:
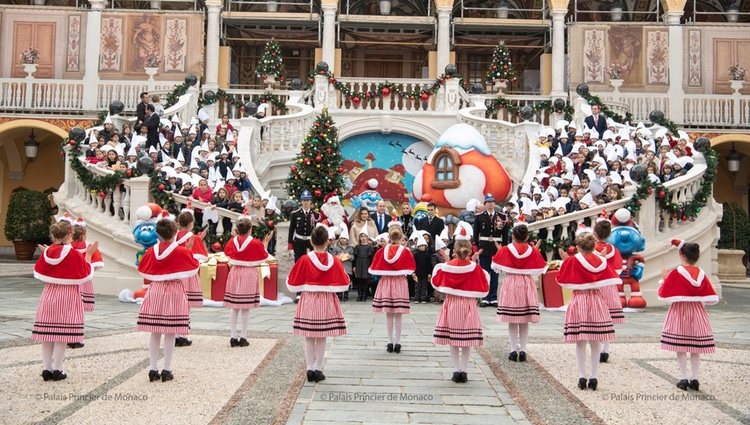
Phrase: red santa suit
(245, 255)
(609, 292)
(587, 317)
(462, 281)
(165, 308)
(518, 301)
(393, 263)
(87, 287)
(687, 328)
(318, 275)
(192, 284)
(59, 317)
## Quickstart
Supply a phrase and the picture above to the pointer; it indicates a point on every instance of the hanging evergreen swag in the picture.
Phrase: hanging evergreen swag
(161, 196)
(174, 95)
(271, 63)
(501, 103)
(238, 102)
(92, 182)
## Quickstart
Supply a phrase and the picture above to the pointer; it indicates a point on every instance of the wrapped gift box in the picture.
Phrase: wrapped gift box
(219, 283)
(213, 277)
(269, 274)
(554, 295)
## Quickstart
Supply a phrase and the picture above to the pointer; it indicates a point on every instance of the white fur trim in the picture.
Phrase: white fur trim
(318, 265)
(695, 282)
(244, 245)
(531, 272)
(247, 263)
(592, 285)
(184, 238)
(611, 252)
(461, 293)
(708, 299)
(514, 251)
(200, 257)
(97, 265)
(454, 269)
(586, 265)
(58, 281)
(395, 257)
(390, 272)
(636, 294)
(170, 276)
(162, 255)
(55, 261)
(318, 288)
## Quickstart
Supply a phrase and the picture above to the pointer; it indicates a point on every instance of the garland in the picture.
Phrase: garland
(93, 182)
(174, 95)
(266, 226)
(159, 193)
(237, 102)
(594, 100)
(550, 245)
(501, 103)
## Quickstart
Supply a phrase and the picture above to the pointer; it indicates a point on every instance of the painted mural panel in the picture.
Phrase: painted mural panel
(626, 45)
(175, 45)
(72, 62)
(145, 32)
(658, 57)
(593, 56)
(110, 56)
(694, 58)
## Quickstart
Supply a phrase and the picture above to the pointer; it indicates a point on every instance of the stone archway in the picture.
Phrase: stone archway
(732, 187)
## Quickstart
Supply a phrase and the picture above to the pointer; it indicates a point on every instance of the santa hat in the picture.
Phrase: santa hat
(678, 243)
(67, 217)
(147, 212)
(582, 228)
(521, 221)
(372, 184)
(188, 207)
(80, 222)
(165, 215)
(342, 227)
(463, 231)
(331, 197)
(421, 241)
(603, 216)
(621, 217)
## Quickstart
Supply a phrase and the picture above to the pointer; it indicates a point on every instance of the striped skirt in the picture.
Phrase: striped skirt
(242, 290)
(612, 299)
(518, 301)
(193, 291)
(59, 317)
(319, 315)
(458, 324)
(87, 294)
(587, 318)
(687, 329)
(392, 295)
(165, 309)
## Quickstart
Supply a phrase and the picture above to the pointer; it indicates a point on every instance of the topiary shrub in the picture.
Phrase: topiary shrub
(29, 217)
(735, 228)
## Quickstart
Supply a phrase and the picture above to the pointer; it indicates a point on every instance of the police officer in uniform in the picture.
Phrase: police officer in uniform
(302, 221)
(489, 233)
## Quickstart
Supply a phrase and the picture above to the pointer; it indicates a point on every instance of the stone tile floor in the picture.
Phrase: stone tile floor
(264, 384)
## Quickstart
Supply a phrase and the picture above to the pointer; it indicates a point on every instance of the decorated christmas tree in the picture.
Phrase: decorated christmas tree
(317, 167)
(271, 62)
(501, 68)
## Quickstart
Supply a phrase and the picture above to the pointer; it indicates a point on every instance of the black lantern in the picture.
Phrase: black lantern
(656, 116)
(116, 107)
(251, 108)
(209, 96)
(191, 80)
(321, 67)
(733, 160)
(78, 134)
(450, 69)
(296, 84)
(583, 89)
(31, 146)
(477, 88)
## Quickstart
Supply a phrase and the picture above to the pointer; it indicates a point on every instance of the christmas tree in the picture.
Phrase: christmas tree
(501, 68)
(271, 62)
(317, 167)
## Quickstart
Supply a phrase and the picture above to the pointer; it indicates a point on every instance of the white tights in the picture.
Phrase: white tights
(315, 350)
(153, 350)
(581, 358)
(53, 355)
(460, 357)
(518, 332)
(393, 327)
(244, 316)
(695, 364)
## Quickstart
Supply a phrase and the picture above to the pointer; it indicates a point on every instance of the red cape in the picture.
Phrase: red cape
(612, 254)
(199, 248)
(63, 265)
(167, 261)
(463, 278)
(589, 271)
(318, 272)
(398, 262)
(687, 283)
(519, 258)
(96, 258)
(245, 251)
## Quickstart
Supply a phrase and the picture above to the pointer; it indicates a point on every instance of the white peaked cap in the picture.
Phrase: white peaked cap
(608, 134)
(218, 185)
(572, 124)
(594, 134)
(537, 191)
(105, 148)
(185, 178)
(552, 192)
(382, 237)
(394, 223)
(471, 205)
(654, 178)
(92, 137)
(660, 133)
(196, 179)
(444, 234)
(421, 241)
(342, 227)
(193, 129)
(152, 149)
(175, 118)
(554, 160)
(203, 147)
(205, 132)
(463, 231)
(664, 142)
(544, 203)
(439, 244)
(683, 135)
(612, 155)
(212, 156)
(165, 122)
(591, 174)
(559, 150)
(568, 163)
(586, 129)
(551, 132)
(624, 134)
(138, 139)
(528, 206)
(577, 147)
(684, 160)
(583, 229)
(202, 114)
(108, 120)
(600, 143)
(561, 202)
(597, 158)
(364, 231)
(555, 181)
(616, 178)
(526, 188)
(640, 125)
(194, 121)
(544, 151)
(230, 136)
(576, 180)
(331, 232)
(180, 156)
(224, 150)
(131, 151)
(587, 199)
(120, 149)
(162, 138)
(169, 171)
(560, 125)
(177, 132)
(610, 122)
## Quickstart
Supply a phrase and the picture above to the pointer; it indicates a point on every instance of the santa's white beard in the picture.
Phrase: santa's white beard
(334, 213)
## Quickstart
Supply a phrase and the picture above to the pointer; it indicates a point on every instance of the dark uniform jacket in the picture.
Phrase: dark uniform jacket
(301, 225)
(493, 226)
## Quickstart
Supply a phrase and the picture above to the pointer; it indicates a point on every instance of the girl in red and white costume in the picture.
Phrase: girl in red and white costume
(602, 230)
(87, 288)
(318, 275)
(185, 223)
(242, 293)
(393, 263)
(587, 317)
(165, 309)
(687, 328)
(59, 317)
(463, 281)
(518, 303)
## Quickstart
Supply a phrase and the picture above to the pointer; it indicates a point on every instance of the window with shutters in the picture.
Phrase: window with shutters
(446, 163)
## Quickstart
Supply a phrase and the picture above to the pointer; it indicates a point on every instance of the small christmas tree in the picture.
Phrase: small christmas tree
(501, 68)
(317, 167)
(271, 62)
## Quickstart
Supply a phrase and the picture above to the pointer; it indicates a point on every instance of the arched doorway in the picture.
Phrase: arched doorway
(732, 187)
(44, 173)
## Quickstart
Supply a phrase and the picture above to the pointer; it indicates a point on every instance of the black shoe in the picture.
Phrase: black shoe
(456, 377)
(296, 300)
(46, 375)
(346, 296)
(463, 376)
(310, 375)
(153, 375)
(592, 383)
(166, 375)
(186, 342)
(397, 348)
(178, 342)
(513, 356)
(603, 357)
(694, 385)
(319, 376)
(484, 303)
(243, 342)
(582, 383)
(389, 348)
(683, 384)
(233, 342)
(75, 345)
(521, 356)
(58, 375)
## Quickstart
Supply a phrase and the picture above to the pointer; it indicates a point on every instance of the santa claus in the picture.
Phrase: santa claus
(332, 213)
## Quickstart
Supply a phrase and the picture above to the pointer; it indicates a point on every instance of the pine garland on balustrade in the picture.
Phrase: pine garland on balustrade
(238, 102)
(494, 105)
(93, 182)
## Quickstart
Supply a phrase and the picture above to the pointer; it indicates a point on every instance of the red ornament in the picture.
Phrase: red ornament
(571, 250)
(72, 142)
(662, 194)
(216, 247)
(270, 223)
(328, 150)
(684, 218)
(102, 194)
(318, 158)
(328, 125)
(318, 192)
(502, 80)
(674, 215)
(293, 168)
(161, 187)
(129, 173)
(332, 80)
(505, 66)
(424, 97)
(355, 100)
(386, 91)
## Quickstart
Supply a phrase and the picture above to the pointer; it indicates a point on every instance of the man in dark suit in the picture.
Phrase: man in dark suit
(141, 111)
(381, 217)
(302, 221)
(431, 224)
(596, 120)
(152, 123)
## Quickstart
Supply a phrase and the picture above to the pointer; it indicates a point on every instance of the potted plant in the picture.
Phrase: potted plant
(151, 65)
(737, 75)
(734, 243)
(27, 222)
(615, 76)
(385, 7)
(29, 59)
